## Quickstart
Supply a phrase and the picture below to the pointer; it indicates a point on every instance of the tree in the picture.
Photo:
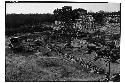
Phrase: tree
(99, 17)
(64, 15)
(78, 12)
(67, 17)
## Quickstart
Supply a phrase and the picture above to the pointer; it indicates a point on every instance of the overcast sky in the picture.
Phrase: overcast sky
(49, 7)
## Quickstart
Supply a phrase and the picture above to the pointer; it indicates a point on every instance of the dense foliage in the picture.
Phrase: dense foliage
(24, 22)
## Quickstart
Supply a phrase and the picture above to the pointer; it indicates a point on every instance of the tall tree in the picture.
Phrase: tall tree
(67, 16)
(99, 17)
(64, 15)
(78, 12)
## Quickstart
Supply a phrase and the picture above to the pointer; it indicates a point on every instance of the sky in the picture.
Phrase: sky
(26, 8)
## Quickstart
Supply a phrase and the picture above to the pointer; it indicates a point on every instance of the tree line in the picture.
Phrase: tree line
(16, 20)
(66, 15)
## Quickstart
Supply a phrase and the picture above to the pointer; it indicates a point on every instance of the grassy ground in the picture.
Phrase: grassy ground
(53, 62)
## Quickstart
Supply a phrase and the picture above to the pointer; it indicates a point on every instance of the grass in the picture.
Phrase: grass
(52, 65)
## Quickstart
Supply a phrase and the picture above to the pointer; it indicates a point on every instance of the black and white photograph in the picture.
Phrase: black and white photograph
(62, 41)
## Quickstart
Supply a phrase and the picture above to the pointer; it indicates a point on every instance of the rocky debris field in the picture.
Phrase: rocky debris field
(44, 56)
